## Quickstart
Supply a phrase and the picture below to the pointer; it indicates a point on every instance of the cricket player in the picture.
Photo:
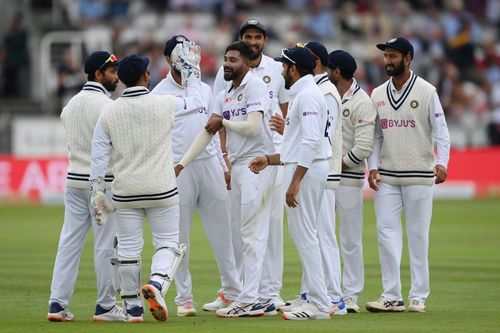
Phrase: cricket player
(201, 185)
(403, 169)
(358, 122)
(241, 109)
(136, 131)
(79, 117)
(254, 33)
(305, 153)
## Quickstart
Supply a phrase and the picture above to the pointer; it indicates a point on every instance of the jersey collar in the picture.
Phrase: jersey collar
(135, 91)
(96, 86)
(301, 83)
(354, 88)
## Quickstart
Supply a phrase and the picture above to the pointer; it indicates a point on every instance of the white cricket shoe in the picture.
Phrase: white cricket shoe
(220, 302)
(416, 306)
(269, 308)
(241, 310)
(306, 311)
(351, 304)
(385, 305)
(290, 305)
(278, 302)
(186, 310)
(135, 314)
(338, 308)
(58, 313)
(152, 294)
(116, 313)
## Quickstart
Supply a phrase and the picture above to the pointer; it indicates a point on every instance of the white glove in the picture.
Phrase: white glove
(186, 58)
(99, 205)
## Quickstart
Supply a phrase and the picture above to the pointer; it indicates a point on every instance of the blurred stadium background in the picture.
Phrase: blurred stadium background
(44, 42)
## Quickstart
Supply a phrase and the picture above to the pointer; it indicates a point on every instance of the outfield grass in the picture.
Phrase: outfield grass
(465, 278)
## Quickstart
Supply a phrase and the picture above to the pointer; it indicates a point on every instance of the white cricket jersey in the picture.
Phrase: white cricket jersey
(410, 122)
(305, 138)
(234, 104)
(269, 71)
(79, 118)
(334, 129)
(187, 125)
(358, 122)
(136, 130)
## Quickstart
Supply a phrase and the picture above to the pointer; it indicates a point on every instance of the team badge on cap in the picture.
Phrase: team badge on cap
(392, 40)
(180, 39)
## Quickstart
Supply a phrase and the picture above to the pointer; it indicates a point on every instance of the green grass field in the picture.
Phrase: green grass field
(464, 259)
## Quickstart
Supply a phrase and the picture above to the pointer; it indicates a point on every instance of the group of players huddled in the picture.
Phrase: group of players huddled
(288, 133)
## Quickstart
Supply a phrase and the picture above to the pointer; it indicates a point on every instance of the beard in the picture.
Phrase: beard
(256, 52)
(395, 70)
(333, 80)
(232, 74)
(288, 80)
(110, 85)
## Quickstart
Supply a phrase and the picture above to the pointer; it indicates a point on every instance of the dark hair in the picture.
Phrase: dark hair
(346, 76)
(302, 71)
(242, 47)
(91, 76)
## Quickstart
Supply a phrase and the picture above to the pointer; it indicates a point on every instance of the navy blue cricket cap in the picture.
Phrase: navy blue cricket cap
(299, 56)
(342, 60)
(401, 44)
(131, 68)
(319, 51)
(172, 43)
(252, 23)
(97, 60)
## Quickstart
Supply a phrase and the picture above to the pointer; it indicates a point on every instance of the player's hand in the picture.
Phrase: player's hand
(277, 123)
(214, 124)
(178, 168)
(441, 173)
(186, 58)
(374, 179)
(100, 207)
(227, 178)
(258, 164)
(291, 194)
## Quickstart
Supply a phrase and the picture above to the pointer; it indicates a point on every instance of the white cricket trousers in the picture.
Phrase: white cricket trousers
(201, 185)
(329, 247)
(250, 213)
(77, 222)
(349, 205)
(272, 274)
(303, 227)
(417, 203)
(164, 222)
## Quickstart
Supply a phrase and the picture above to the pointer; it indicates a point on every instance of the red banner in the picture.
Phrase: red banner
(471, 173)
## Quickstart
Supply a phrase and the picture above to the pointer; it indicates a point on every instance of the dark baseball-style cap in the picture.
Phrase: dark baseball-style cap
(401, 44)
(131, 68)
(342, 60)
(319, 51)
(98, 60)
(252, 23)
(172, 43)
(299, 56)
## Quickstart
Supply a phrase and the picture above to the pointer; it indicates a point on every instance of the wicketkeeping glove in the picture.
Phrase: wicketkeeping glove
(186, 58)
(99, 205)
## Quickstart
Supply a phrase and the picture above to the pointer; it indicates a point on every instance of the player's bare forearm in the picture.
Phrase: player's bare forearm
(259, 163)
(294, 187)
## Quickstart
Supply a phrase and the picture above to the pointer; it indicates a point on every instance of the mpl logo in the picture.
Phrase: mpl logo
(380, 103)
(228, 100)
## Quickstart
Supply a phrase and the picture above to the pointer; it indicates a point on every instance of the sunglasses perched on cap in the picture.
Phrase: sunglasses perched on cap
(283, 55)
(112, 59)
(305, 47)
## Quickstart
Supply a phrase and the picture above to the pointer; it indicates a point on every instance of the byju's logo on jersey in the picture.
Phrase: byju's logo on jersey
(226, 115)
(396, 123)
